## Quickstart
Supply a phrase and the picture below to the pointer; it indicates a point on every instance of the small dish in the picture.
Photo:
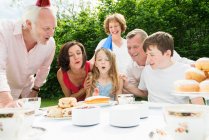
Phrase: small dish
(34, 133)
(58, 118)
(153, 105)
(192, 94)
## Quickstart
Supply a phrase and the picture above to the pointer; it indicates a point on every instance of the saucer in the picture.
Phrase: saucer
(34, 133)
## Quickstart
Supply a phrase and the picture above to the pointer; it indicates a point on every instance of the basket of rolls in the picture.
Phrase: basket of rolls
(63, 109)
(196, 79)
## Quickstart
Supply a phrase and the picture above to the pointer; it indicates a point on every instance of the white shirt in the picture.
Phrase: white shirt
(160, 83)
(17, 65)
(134, 73)
(178, 58)
(121, 53)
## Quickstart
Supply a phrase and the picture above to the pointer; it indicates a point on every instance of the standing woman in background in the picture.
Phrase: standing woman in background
(73, 70)
(114, 26)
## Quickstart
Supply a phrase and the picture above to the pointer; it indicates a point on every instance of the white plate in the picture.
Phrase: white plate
(157, 105)
(34, 133)
(192, 94)
(154, 105)
(60, 118)
(39, 112)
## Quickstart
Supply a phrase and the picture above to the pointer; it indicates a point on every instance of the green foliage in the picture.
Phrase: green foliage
(186, 20)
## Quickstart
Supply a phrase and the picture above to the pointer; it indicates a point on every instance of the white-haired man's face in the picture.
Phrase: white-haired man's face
(44, 26)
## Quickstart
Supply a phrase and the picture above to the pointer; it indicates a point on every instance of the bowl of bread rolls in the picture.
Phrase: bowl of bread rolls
(196, 79)
(63, 110)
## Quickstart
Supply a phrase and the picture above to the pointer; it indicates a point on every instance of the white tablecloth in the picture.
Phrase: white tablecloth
(65, 130)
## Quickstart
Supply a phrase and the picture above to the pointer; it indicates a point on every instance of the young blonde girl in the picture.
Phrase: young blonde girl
(105, 77)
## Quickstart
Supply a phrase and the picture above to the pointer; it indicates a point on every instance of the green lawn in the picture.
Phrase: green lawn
(48, 102)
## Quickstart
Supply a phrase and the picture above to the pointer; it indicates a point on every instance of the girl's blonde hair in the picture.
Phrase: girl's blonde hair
(113, 72)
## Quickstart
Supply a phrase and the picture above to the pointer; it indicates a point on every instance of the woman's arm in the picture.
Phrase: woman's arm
(88, 84)
(65, 90)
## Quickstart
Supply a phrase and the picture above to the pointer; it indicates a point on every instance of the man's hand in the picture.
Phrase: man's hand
(6, 100)
(14, 104)
(125, 79)
(33, 94)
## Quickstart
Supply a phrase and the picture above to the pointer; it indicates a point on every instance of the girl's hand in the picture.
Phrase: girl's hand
(96, 92)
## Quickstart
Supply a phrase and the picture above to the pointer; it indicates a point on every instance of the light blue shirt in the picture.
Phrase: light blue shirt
(105, 90)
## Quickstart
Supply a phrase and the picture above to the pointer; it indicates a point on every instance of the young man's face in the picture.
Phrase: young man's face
(156, 59)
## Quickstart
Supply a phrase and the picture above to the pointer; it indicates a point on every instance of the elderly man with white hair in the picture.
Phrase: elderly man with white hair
(27, 49)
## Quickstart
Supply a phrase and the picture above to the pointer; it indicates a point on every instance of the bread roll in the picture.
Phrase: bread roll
(186, 86)
(97, 100)
(195, 74)
(202, 64)
(204, 86)
(67, 102)
(54, 112)
(67, 112)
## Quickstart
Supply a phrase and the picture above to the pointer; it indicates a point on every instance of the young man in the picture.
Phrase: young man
(27, 49)
(158, 77)
(135, 39)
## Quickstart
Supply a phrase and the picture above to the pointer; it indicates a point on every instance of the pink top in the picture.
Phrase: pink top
(17, 65)
(71, 86)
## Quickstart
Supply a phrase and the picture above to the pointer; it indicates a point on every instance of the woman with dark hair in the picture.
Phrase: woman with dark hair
(73, 70)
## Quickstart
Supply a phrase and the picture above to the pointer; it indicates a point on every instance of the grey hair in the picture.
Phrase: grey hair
(134, 32)
(32, 12)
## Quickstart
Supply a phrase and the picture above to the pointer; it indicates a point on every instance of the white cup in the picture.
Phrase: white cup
(124, 115)
(86, 115)
(32, 102)
(125, 98)
(187, 122)
(14, 122)
(143, 109)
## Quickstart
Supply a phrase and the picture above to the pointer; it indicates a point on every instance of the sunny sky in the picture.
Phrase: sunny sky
(9, 10)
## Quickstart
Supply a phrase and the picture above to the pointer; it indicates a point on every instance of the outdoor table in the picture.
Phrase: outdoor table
(58, 129)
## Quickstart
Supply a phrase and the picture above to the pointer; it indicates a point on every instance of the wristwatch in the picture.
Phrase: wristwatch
(35, 89)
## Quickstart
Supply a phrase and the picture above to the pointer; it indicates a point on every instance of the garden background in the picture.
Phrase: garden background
(186, 20)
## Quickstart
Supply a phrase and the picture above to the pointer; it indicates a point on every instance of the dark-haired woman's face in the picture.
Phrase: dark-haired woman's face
(76, 57)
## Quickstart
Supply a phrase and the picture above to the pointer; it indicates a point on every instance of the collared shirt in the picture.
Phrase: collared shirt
(17, 65)
(133, 73)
